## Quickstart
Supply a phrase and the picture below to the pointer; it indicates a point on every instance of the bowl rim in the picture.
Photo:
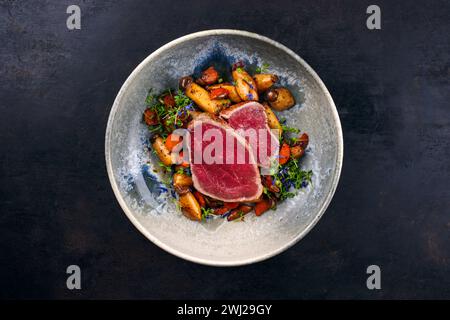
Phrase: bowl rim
(180, 254)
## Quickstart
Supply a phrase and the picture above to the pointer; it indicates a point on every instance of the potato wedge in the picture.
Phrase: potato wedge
(246, 93)
(264, 81)
(272, 119)
(181, 183)
(162, 151)
(190, 207)
(223, 103)
(201, 97)
(232, 93)
(245, 85)
(283, 99)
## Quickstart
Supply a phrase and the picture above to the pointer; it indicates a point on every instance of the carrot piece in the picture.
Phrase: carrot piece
(267, 181)
(239, 212)
(219, 93)
(172, 140)
(220, 211)
(263, 206)
(169, 101)
(150, 117)
(184, 163)
(284, 153)
(200, 198)
(231, 205)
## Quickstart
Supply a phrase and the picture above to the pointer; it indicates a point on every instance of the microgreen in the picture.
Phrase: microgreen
(206, 212)
(286, 129)
(263, 68)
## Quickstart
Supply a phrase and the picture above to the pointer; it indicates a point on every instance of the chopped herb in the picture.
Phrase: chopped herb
(286, 128)
(263, 68)
(166, 168)
(149, 100)
(169, 117)
(181, 100)
(180, 171)
(220, 80)
(291, 175)
(206, 213)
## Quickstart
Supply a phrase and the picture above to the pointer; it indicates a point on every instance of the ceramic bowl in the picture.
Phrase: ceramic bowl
(136, 180)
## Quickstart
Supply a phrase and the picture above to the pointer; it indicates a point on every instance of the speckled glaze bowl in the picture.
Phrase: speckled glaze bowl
(131, 167)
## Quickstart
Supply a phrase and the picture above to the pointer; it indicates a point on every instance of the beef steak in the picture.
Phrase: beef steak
(222, 163)
(250, 121)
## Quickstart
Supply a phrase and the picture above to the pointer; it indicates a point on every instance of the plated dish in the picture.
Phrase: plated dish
(242, 112)
(144, 190)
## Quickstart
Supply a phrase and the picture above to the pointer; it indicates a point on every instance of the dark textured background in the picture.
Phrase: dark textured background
(391, 208)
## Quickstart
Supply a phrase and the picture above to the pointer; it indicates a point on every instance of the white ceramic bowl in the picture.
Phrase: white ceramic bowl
(218, 242)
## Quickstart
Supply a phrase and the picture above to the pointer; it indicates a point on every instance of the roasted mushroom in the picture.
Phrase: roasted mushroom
(280, 99)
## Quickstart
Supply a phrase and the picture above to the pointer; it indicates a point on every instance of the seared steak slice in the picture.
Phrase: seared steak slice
(250, 121)
(222, 163)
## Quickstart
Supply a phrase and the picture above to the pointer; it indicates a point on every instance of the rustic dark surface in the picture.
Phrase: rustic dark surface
(391, 207)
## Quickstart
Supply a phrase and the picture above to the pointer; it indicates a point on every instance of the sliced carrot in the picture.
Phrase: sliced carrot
(231, 205)
(269, 184)
(200, 198)
(220, 211)
(239, 212)
(263, 206)
(172, 140)
(150, 117)
(169, 101)
(219, 93)
(184, 163)
(284, 153)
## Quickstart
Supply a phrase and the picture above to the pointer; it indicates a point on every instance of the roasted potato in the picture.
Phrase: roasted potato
(245, 85)
(264, 81)
(201, 97)
(190, 207)
(162, 151)
(280, 99)
(272, 119)
(232, 93)
(181, 183)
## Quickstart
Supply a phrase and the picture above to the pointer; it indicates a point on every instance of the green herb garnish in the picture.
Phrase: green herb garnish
(206, 212)
(263, 68)
(291, 175)
(166, 168)
(286, 129)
